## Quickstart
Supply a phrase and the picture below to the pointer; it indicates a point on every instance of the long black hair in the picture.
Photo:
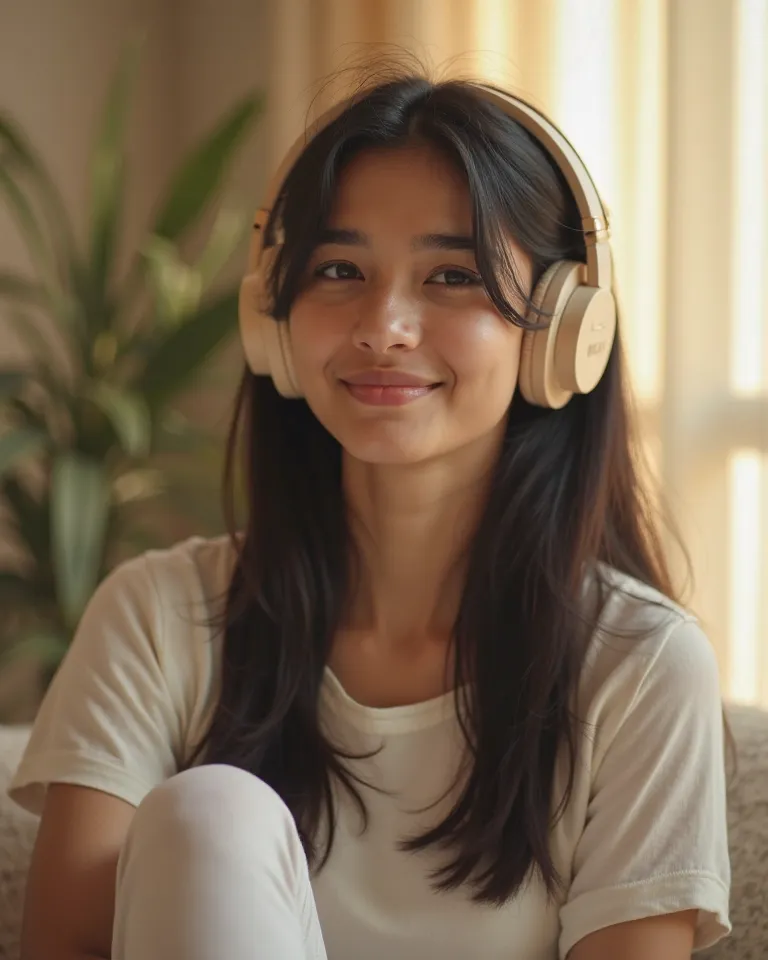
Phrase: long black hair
(565, 498)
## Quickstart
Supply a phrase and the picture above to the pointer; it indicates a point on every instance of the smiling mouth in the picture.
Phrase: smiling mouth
(388, 395)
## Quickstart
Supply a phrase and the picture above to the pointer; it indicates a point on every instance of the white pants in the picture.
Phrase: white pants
(213, 868)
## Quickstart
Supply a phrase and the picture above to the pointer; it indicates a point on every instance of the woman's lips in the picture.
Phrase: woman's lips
(388, 395)
(387, 386)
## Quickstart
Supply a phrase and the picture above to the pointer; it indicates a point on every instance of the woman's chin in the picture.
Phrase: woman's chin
(385, 449)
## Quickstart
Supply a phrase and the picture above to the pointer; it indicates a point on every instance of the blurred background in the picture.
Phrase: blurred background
(126, 183)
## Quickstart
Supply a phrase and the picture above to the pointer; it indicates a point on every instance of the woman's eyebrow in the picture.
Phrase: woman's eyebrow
(426, 241)
(344, 238)
(443, 241)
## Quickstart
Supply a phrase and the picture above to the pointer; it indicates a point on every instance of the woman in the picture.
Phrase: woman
(433, 699)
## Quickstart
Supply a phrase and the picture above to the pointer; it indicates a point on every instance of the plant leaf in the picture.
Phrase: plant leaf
(128, 414)
(108, 169)
(30, 293)
(200, 176)
(19, 288)
(26, 329)
(11, 381)
(229, 229)
(13, 588)
(26, 219)
(141, 484)
(89, 308)
(17, 148)
(175, 360)
(45, 646)
(30, 520)
(80, 503)
(176, 285)
(29, 416)
(48, 357)
(15, 445)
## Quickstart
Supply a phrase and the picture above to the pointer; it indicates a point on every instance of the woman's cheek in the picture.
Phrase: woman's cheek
(484, 345)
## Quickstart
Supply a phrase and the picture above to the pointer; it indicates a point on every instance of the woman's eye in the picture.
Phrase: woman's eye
(452, 277)
(339, 270)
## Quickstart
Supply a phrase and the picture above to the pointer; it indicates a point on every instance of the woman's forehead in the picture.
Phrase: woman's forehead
(415, 183)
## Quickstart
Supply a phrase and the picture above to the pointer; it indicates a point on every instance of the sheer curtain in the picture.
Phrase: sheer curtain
(667, 102)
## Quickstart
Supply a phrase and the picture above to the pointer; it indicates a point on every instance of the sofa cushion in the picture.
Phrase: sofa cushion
(17, 833)
(747, 840)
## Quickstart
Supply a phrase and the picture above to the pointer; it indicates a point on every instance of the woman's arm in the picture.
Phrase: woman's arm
(667, 937)
(70, 899)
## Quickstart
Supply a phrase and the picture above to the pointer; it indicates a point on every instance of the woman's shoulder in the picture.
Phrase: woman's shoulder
(629, 598)
(190, 573)
(645, 645)
(134, 691)
(164, 606)
(200, 566)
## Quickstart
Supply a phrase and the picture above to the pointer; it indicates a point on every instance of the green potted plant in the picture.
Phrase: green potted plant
(86, 421)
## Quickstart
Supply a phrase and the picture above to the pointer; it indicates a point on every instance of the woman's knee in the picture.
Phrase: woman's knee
(212, 806)
(212, 862)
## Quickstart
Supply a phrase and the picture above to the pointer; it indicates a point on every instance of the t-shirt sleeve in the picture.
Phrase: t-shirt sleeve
(108, 720)
(655, 839)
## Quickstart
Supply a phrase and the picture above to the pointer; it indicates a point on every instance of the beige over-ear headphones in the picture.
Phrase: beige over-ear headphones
(568, 356)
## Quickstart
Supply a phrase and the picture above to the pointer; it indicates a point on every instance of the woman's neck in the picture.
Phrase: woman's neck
(411, 525)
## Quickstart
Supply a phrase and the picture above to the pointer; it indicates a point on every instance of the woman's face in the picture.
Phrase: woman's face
(398, 349)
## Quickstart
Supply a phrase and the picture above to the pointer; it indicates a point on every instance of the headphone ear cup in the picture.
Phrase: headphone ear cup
(536, 378)
(570, 355)
(266, 341)
(585, 336)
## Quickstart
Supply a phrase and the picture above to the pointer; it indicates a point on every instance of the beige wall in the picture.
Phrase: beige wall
(55, 59)
(57, 55)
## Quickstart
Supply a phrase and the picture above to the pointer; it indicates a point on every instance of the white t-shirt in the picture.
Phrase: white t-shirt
(643, 834)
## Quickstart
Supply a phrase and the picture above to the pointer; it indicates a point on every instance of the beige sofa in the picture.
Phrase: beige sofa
(748, 818)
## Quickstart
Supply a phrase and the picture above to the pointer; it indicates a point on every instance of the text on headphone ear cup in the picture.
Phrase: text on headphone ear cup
(585, 337)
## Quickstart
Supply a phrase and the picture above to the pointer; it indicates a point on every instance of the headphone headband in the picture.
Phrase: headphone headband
(594, 217)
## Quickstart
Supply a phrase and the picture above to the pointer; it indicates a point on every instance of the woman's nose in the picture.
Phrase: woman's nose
(387, 320)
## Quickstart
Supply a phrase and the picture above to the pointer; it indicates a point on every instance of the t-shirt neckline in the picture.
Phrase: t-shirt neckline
(399, 719)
